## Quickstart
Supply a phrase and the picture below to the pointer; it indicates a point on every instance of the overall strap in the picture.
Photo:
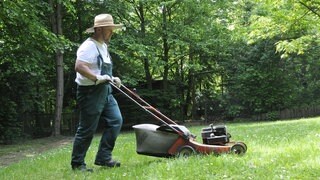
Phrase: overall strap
(99, 58)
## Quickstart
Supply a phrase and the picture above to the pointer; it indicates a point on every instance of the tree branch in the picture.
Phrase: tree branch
(309, 8)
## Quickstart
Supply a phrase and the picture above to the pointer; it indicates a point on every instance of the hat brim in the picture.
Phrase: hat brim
(113, 27)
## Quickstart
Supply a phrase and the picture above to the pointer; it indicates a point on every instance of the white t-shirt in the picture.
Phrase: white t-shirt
(88, 53)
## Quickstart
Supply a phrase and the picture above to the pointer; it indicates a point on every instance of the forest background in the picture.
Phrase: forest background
(200, 60)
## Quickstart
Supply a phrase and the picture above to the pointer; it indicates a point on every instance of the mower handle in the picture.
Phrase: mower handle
(146, 106)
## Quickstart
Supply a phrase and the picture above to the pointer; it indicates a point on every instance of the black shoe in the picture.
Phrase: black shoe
(81, 168)
(110, 163)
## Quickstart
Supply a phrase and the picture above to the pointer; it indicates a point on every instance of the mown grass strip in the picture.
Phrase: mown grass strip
(276, 150)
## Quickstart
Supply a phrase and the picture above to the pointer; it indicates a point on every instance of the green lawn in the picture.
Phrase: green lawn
(276, 150)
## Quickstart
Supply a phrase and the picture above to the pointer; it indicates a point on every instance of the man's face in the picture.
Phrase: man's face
(106, 34)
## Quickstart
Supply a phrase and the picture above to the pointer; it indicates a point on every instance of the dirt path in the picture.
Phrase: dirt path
(10, 154)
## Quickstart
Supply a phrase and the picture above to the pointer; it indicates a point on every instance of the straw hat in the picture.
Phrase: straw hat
(104, 20)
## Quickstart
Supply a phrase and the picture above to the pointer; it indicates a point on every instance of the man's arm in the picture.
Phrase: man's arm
(83, 68)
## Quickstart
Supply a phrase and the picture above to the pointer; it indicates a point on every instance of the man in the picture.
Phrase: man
(94, 73)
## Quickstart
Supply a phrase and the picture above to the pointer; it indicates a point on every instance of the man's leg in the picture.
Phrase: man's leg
(87, 127)
(91, 102)
(112, 118)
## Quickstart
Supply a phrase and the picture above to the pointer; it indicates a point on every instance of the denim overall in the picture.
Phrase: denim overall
(96, 103)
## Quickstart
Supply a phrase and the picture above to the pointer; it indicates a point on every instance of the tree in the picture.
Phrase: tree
(25, 72)
(57, 29)
(232, 58)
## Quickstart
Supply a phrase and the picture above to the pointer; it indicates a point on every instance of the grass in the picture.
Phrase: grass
(29, 145)
(276, 150)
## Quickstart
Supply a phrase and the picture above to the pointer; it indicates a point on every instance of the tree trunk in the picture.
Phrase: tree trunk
(57, 29)
(165, 56)
(80, 11)
(59, 97)
(143, 34)
(190, 90)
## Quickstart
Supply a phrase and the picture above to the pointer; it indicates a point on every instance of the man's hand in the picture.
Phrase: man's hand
(102, 79)
(117, 81)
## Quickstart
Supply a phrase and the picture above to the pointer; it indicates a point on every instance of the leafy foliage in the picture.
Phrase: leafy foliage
(27, 71)
(216, 60)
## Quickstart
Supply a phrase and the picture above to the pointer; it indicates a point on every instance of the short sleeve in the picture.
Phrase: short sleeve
(87, 52)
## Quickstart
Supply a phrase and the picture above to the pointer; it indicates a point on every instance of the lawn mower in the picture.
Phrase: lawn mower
(170, 139)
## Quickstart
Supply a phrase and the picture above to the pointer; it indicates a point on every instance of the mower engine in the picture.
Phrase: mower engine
(215, 135)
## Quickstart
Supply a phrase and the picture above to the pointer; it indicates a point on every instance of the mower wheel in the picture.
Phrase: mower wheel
(185, 151)
(239, 148)
(244, 145)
